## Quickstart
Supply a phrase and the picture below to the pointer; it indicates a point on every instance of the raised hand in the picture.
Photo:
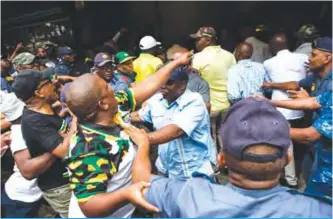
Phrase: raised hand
(185, 58)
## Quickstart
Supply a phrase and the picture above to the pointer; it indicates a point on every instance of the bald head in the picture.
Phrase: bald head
(244, 51)
(83, 94)
(278, 42)
(175, 51)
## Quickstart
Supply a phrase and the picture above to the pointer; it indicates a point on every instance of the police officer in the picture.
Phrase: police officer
(66, 58)
(320, 82)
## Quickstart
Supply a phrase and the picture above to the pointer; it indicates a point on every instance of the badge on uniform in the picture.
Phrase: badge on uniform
(313, 87)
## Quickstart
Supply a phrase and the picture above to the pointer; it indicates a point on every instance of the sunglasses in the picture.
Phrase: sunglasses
(43, 84)
(52, 77)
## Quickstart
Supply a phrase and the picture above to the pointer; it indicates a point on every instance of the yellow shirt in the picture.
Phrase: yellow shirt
(213, 63)
(145, 65)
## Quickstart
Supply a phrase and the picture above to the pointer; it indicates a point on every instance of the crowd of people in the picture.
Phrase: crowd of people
(82, 138)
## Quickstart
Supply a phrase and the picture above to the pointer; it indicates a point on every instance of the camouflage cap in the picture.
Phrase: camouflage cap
(45, 44)
(24, 58)
(261, 28)
(204, 31)
(307, 31)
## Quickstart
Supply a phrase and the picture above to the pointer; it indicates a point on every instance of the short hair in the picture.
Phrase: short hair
(255, 170)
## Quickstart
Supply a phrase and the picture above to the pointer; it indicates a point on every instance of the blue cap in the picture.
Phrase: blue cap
(62, 51)
(324, 44)
(180, 74)
(253, 121)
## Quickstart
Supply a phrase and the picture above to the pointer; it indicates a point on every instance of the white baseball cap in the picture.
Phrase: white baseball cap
(148, 42)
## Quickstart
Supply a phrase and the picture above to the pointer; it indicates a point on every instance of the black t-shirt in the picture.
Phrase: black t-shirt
(42, 134)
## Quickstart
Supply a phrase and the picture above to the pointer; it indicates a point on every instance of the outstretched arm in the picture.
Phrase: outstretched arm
(304, 135)
(310, 103)
(298, 104)
(154, 82)
(291, 85)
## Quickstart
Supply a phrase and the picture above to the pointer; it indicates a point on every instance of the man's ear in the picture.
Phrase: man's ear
(103, 105)
(184, 85)
(221, 162)
(39, 94)
(289, 157)
(328, 58)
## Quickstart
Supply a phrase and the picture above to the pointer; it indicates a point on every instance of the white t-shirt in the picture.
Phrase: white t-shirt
(121, 179)
(17, 187)
(284, 67)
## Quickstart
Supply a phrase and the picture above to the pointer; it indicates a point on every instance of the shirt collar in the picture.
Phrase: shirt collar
(215, 47)
(282, 52)
(101, 129)
(244, 61)
(143, 54)
(328, 76)
(304, 45)
(257, 193)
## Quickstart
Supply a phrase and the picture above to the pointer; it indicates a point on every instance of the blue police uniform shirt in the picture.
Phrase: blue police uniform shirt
(62, 68)
(317, 85)
(192, 152)
(320, 182)
(198, 197)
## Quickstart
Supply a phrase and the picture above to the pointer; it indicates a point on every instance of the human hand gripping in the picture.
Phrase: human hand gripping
(267, 85)
(138, 136)
(5, 142)
(302, 94)
(135, 195)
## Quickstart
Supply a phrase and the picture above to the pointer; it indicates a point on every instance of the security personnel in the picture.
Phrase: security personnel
(65, 63)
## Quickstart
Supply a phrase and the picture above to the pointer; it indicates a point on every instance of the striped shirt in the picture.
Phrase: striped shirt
(245, 79)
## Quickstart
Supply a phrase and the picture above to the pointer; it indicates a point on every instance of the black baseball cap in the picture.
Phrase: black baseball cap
(27, 81)
(254, 121)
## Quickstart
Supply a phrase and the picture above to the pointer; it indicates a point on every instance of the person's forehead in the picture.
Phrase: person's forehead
(127, 62)
(108, 64)
(317, 51)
